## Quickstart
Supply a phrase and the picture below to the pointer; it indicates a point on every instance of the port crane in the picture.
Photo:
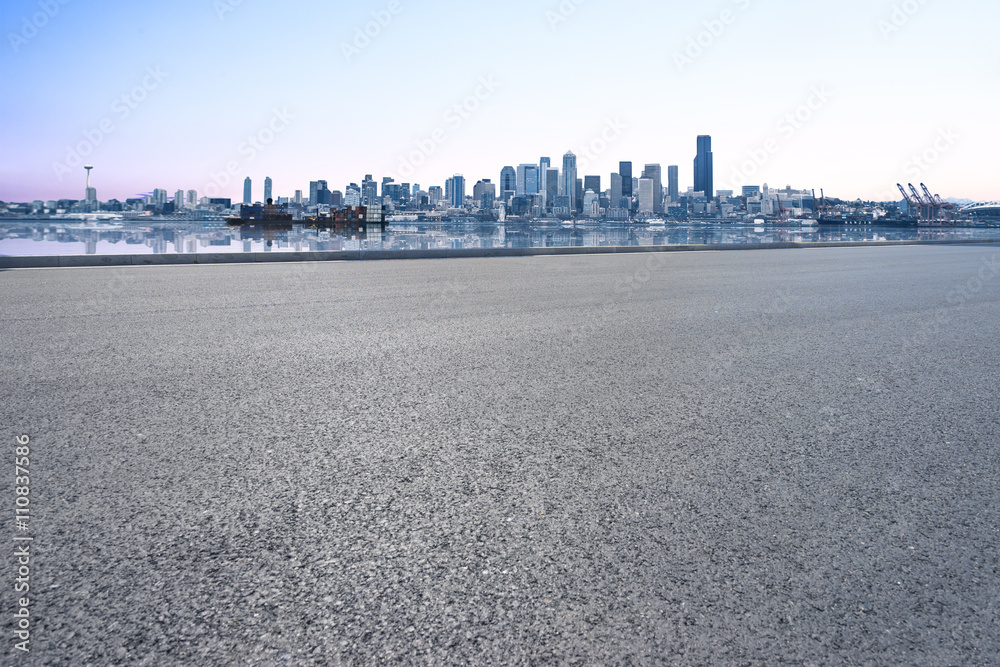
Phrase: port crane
(782, 211)
(936, 198)
(914, 205)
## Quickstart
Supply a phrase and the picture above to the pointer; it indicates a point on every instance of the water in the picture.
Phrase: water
(72, 237)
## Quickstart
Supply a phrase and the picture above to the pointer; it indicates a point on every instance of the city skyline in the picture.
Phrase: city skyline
(879, 95)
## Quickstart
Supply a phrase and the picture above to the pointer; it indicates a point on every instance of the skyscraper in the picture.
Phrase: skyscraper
(625, 170)
(673, 187)
(616, 191)
(247, 191)
(527, 179)
(568, 187)
(313, 185)
(192, 198)
(508, 180)
(267, 189)
(646, 195)
(592, 183)
(457, 191)
(178, 200)
(655, 172)
(544, 164)
(484, 193)
(551, 187)
(703, 169)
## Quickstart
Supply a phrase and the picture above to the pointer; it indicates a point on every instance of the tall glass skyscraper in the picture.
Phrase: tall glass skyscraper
(457, 191)
(527, 179)
(616, 191)
(703, 170)
(625, 170)
(544, 164)
(569, 179)
(267, 189)
(247, 191)
(508, 180)
(655, 172)
(673, 185)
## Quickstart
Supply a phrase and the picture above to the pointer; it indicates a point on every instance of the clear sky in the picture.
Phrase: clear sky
(166, 95)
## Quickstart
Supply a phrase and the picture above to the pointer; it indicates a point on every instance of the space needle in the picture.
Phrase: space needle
(89, 194)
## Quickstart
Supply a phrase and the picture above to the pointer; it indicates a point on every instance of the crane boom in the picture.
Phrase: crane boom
(927, 192)
(907, 197)
(916, 195)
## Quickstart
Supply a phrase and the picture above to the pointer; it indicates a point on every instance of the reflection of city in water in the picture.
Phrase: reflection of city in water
(52, 238)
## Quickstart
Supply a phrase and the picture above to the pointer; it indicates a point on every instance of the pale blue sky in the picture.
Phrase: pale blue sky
(889, 96)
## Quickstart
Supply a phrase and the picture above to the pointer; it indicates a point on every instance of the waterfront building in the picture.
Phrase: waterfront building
(267, 189)
(247, 191)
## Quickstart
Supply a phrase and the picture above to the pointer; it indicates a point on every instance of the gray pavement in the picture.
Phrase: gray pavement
(764, 457)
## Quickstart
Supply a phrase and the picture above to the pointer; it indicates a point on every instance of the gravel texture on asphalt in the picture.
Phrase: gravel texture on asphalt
(740, 458)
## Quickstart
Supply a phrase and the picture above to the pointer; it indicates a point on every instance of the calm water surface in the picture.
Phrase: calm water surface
(71, 237)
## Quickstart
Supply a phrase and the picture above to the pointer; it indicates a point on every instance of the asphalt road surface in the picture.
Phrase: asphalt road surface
(737, 458)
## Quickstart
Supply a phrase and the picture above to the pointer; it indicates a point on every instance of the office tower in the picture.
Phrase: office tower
(551, 187)
(527, 179)
(646, 195)
(267, 189)
(616, 191)
(369, 191)
(592, 183)
(508, 179)
(336, 198)
(435, 194)
(192, 198)
(579, 195)
(673, 185)
(484, 193)
(544, 164)
(457, 191)
(247, 191)
(655, 173)
(160, 197)
(703, 169)
(353, 196)
(625, 169)
(591, 204)
(322, 193)
(178, 200)
(569, 180)
(751, 191)
(416, 190)
(298, 197)
(313, 185)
